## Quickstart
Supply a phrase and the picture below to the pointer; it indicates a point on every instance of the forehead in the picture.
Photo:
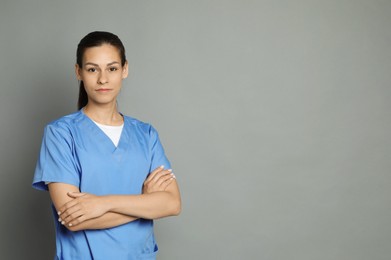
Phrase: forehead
(103, 54)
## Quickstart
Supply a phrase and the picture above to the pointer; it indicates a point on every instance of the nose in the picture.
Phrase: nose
(102, 79)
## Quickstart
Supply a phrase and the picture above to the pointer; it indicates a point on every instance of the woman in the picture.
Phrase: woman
(106, 173)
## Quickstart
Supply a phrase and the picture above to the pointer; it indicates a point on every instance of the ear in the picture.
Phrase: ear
(125, 70)
(78, 71)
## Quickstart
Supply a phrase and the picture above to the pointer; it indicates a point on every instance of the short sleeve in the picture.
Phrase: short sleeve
(57, 160)
(157, 151)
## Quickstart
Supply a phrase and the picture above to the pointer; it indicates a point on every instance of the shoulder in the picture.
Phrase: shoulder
(139, 125)
(133, 122)
(70, 119)
(67, 119)
(64, 125)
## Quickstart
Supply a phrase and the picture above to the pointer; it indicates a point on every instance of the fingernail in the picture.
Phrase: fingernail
(173, 175)
(62, 222)
(70, 224)
(59, 212)
(59, 219)
(162, 166)
(170, 170)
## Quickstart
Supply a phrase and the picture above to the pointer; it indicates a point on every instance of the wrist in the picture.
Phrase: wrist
(106, 202)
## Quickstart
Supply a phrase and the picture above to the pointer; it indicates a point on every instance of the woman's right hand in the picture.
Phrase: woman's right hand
(158, 180)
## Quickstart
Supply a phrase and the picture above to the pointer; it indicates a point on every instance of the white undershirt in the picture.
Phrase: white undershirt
(113, 132)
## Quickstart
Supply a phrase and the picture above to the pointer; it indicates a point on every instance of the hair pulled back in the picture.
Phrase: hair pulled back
(95, 39)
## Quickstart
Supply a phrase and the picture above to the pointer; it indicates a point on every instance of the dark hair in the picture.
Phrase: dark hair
(95, 39)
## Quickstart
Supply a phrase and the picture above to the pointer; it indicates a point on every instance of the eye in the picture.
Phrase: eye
(113, 69)
(91, 70)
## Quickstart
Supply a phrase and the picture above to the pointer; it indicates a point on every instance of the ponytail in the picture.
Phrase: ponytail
(83, 98)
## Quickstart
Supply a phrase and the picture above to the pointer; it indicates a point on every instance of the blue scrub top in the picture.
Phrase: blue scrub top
(76, 151)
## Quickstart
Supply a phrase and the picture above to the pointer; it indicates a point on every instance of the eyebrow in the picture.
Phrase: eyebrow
(96, 65)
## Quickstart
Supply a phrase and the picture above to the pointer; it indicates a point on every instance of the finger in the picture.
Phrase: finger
(75, 194)
(66, 206)
(164, 178)
(72, 217)
(160, 175)
(77, 221)
(154, 172)
(167, 183)
(69, 212)
(73, 202)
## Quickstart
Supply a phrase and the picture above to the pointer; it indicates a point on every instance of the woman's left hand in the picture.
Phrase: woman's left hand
(158, 180)
(84, 206)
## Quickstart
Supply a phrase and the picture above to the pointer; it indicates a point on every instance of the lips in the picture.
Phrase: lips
(103, 90)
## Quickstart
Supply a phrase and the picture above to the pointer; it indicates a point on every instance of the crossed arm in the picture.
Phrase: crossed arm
(80, 211)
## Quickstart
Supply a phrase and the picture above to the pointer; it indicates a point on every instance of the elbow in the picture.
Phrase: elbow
(176, 208)
(173, 208)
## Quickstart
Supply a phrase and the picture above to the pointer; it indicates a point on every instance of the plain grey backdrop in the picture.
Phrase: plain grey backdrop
(274, 114)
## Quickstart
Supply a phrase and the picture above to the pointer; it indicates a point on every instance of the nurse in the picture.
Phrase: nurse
(107, 174)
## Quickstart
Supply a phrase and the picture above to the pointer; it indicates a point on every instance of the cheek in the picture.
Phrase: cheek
(117, 79)
(89, 82)
(88, 77)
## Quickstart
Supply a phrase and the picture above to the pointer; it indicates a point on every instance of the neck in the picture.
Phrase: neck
(106, 115)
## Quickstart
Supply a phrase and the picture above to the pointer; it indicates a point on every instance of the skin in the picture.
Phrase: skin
(102, 74)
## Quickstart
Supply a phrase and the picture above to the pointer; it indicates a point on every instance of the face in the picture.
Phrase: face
(102, 74)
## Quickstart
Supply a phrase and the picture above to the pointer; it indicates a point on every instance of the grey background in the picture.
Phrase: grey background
(275, 115)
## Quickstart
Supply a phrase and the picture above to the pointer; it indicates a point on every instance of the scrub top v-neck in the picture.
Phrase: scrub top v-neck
(76, 151)
(114, 132)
